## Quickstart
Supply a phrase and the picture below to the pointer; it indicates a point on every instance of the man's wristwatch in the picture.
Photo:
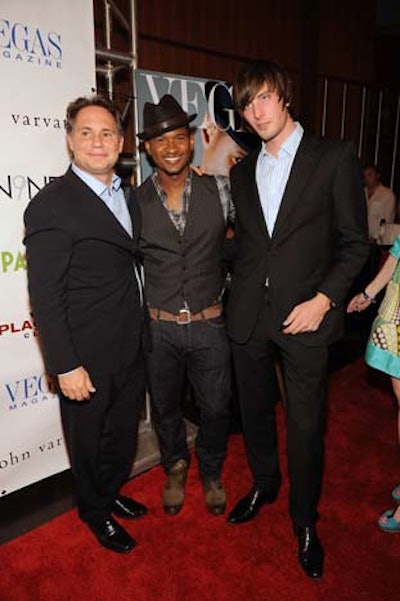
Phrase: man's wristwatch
(332, 303)
(367, 297)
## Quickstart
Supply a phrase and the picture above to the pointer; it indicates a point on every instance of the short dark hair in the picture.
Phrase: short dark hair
(253, 75)
(82, 102)
(374, 168)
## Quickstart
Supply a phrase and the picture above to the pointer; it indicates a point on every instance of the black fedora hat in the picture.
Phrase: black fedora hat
(222, 106)
(163, 117)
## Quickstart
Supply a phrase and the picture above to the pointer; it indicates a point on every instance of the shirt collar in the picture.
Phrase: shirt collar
(95, 184)
(158, 187)
(290, 145)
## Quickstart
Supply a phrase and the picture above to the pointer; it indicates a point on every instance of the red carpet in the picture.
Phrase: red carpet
(198, 557)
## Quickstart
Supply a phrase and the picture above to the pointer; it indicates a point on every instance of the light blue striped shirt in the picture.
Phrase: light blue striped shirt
(272, 174)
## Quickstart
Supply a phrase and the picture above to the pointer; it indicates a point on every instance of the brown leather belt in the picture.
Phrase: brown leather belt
(184, 316)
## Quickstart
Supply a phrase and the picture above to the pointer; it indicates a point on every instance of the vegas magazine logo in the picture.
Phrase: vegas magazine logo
(24, 42)
(28, 390)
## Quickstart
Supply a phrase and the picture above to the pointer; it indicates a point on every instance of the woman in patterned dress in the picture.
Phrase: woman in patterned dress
(383, 348)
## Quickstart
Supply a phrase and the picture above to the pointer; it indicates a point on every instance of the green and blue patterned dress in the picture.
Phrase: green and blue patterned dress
(383, 348)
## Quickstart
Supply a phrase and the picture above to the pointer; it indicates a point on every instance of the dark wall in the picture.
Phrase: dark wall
(211, 38)
(388, 53)
(347, 39)
(217, 35)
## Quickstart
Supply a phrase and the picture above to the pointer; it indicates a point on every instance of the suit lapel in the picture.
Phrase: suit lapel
(92, 204)
(130, 199)
(302, 169)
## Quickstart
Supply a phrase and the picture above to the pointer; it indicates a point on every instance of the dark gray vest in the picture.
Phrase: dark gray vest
(182, 268)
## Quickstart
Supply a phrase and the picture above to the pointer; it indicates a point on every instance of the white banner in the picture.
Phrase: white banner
(47, 59)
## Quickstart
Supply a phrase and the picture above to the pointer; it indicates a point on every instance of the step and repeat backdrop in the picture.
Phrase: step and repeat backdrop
(47, 58)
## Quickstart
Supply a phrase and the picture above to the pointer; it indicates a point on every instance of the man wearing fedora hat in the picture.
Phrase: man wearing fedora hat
(183, 230)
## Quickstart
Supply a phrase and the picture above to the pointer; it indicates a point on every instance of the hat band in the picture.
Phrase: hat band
(159, 128)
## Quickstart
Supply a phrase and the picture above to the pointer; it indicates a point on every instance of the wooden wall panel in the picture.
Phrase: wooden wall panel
(256, 28)
(347, 39)
(259, 28)
(211, 39)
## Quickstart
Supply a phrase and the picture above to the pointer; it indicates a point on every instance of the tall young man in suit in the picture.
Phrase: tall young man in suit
(81, 239)
(300, 238)
(183, 231)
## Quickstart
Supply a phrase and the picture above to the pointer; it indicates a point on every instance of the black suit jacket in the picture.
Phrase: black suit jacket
(319, 242)
(82, 284)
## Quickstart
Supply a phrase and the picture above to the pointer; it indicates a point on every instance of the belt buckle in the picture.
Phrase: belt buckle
(181, 319)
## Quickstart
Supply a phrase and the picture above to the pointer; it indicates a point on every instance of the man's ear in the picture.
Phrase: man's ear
(69, 146)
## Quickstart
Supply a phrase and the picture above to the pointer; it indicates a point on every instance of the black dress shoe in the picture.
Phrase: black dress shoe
(112, 536)
(248, 507)
(311, 553)
(128, 509)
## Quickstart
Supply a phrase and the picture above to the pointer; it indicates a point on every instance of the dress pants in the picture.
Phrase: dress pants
(200, 351)
(101, 438)
(305, 376)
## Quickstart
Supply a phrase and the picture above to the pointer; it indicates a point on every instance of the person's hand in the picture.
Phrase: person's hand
(358, 303)
(307, 316)
(76, 385)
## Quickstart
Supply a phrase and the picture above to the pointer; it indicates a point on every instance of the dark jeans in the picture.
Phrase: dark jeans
(200, 352)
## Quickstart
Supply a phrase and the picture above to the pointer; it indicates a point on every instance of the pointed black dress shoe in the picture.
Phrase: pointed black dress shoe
(128, 509)
(248, 507)
(311, 552)
(112, 536)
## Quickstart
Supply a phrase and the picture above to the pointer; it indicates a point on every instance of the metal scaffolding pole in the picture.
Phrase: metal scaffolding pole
(134, 88)
(115, 60)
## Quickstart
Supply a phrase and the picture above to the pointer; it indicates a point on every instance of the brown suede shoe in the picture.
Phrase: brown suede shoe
(174, 491)
(215, 496)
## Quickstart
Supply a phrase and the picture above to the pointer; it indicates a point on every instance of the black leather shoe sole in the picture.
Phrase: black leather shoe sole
(311, 569)
(249, 506)
(112, 536)
(128, 509)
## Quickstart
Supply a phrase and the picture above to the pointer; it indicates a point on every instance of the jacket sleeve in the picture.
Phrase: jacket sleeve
(49, 252)
(351, 230)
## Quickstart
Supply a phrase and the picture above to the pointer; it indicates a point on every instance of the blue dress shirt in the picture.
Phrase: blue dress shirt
(272, 174)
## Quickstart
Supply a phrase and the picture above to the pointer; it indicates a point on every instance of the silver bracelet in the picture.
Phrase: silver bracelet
(367, 297)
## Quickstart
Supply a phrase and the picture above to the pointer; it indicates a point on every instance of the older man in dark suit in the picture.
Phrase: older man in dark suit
(301, 238)
(81, 239)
